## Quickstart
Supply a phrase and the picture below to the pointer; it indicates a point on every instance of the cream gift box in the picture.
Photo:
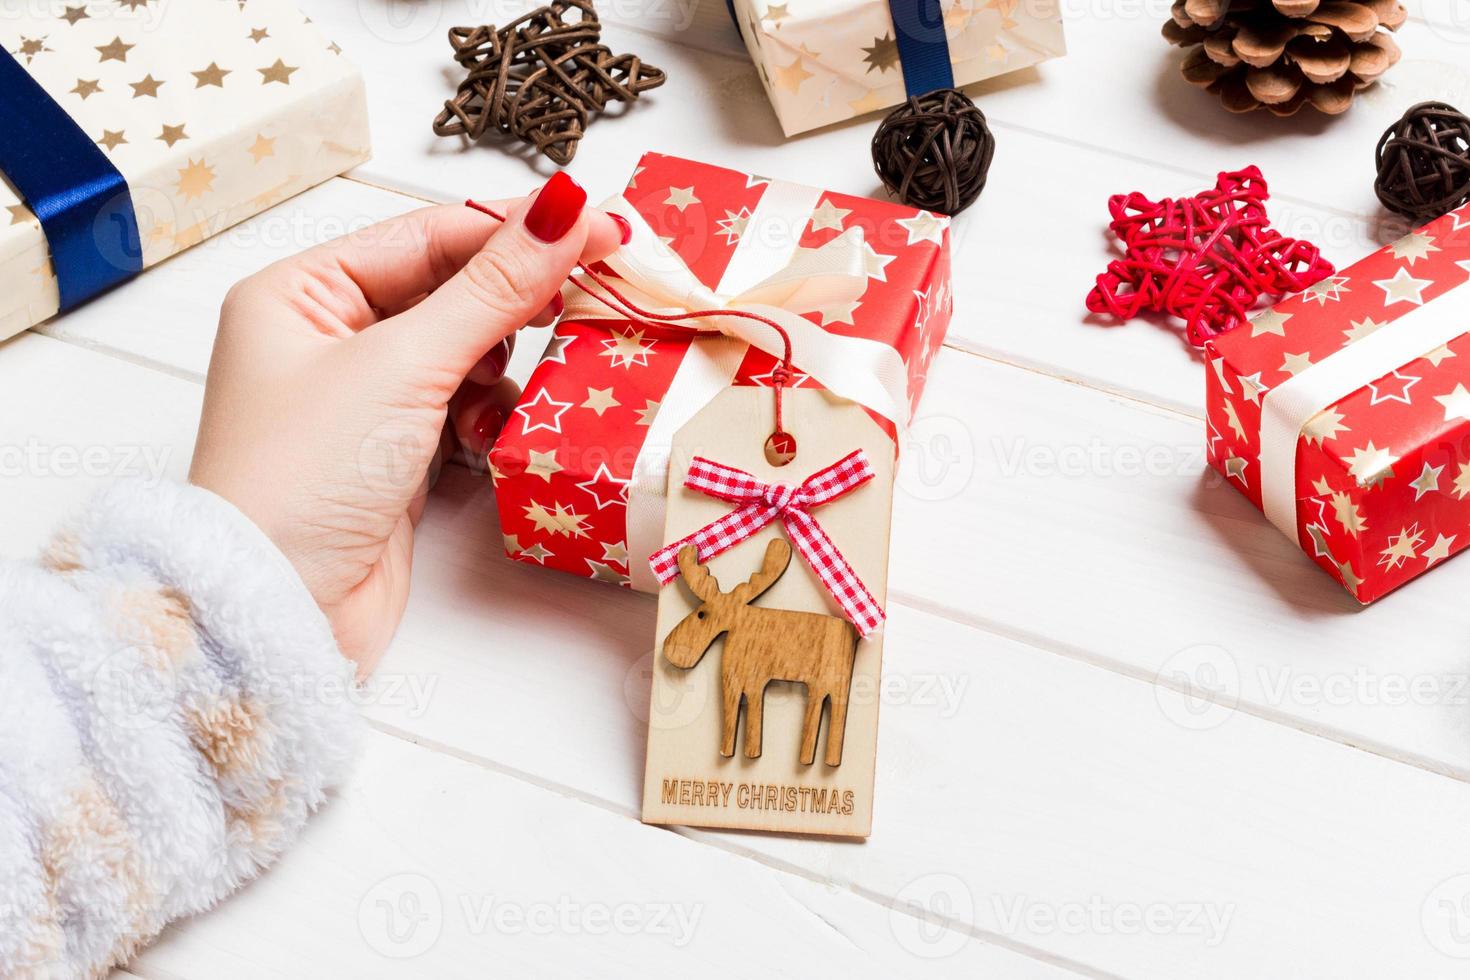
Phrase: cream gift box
(204, 113)
(823, 61)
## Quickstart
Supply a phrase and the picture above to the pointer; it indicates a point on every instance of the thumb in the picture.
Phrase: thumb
(505, 284)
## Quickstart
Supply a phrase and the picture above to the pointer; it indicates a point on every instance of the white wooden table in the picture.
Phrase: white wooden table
(1130, 731)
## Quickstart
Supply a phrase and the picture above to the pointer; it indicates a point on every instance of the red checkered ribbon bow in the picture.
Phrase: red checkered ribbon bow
(760, 504)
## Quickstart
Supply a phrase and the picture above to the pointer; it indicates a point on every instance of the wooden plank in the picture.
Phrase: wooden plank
(429, 866)
(1036, 780)
(1013, 786)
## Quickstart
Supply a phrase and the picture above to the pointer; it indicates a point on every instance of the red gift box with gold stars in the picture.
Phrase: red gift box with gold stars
(1344, 411)
(864, 286)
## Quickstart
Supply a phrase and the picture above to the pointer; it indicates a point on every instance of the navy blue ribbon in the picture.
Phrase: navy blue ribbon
(83, 203)
(923, 49)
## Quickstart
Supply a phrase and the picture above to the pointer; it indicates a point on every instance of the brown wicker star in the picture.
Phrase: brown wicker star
(540, 79)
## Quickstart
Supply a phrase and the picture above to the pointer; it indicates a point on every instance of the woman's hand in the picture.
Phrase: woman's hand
(334, 373)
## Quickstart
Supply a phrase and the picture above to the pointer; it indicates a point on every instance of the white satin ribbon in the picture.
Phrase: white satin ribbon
(1287, 408)
(770, 275)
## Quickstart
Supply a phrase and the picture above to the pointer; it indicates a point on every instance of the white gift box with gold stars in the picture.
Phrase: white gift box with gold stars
(213, 110)
(823, 61)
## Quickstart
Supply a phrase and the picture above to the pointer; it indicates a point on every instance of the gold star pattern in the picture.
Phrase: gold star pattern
(30, 47)
(196, 179)
(788, 78)
(116, 51)
(603, 572)
(278, 72)
(600, 400)
(172, 134)
(871, 101)
(19, 214)
(1349, 578)
(839, 312)
(1235, 468)
(627, 350)
(1403, 288)
(1456, 403)
(536, 553)
(335, 48)
(1439, 354)
(1402, 547)
(1232, 418)
(213, 75)
(1347, 514)
(542, 464)
(882, 54)
(732, 225)
(86, 87)
(111, 140)
(1318, 534)
(1440, 550)
(777, 12)
(615, 551)
(1427, 481)
(874, 263)
(512, 544)
(1414, 247)
(259, 34)
(1462, 482)
(924, 227)
(1295, 364)
(647, 412)
(133, 4)
(827, 215)
(681, 198)
(1370, 465)
(1360, 329)
(262, 147)
(1270, 322)
(147, 86)
(559, 520)
(74, 14)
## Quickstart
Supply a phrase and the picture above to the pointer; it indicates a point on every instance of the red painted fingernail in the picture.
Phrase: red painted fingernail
(485, 429)
(624, 228)
(497, 358)
(556, 208)
(557, 305)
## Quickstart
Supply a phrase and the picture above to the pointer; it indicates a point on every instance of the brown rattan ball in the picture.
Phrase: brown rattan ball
(933, 152)
(1424, 162)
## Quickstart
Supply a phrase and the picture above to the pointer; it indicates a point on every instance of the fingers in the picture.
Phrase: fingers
(477, 414)
(507, 283)
(491, 368)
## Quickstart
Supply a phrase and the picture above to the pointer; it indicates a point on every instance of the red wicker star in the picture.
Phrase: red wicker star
(1206, 259)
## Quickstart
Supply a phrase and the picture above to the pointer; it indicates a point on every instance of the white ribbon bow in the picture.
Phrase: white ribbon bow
(656, 279)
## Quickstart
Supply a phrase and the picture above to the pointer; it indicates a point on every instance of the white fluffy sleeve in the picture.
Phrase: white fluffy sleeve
(172, 707)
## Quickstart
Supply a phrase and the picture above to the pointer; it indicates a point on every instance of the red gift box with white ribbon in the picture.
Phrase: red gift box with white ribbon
(1344, 411)
(862, 287)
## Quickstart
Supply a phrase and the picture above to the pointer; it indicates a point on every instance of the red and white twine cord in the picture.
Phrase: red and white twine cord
(657, 323)
(758, 504)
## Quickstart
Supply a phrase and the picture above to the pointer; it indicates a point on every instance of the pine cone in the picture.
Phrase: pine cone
(1283, 54)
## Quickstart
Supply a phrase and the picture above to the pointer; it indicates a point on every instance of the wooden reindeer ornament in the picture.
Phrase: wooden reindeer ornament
(764, 645)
